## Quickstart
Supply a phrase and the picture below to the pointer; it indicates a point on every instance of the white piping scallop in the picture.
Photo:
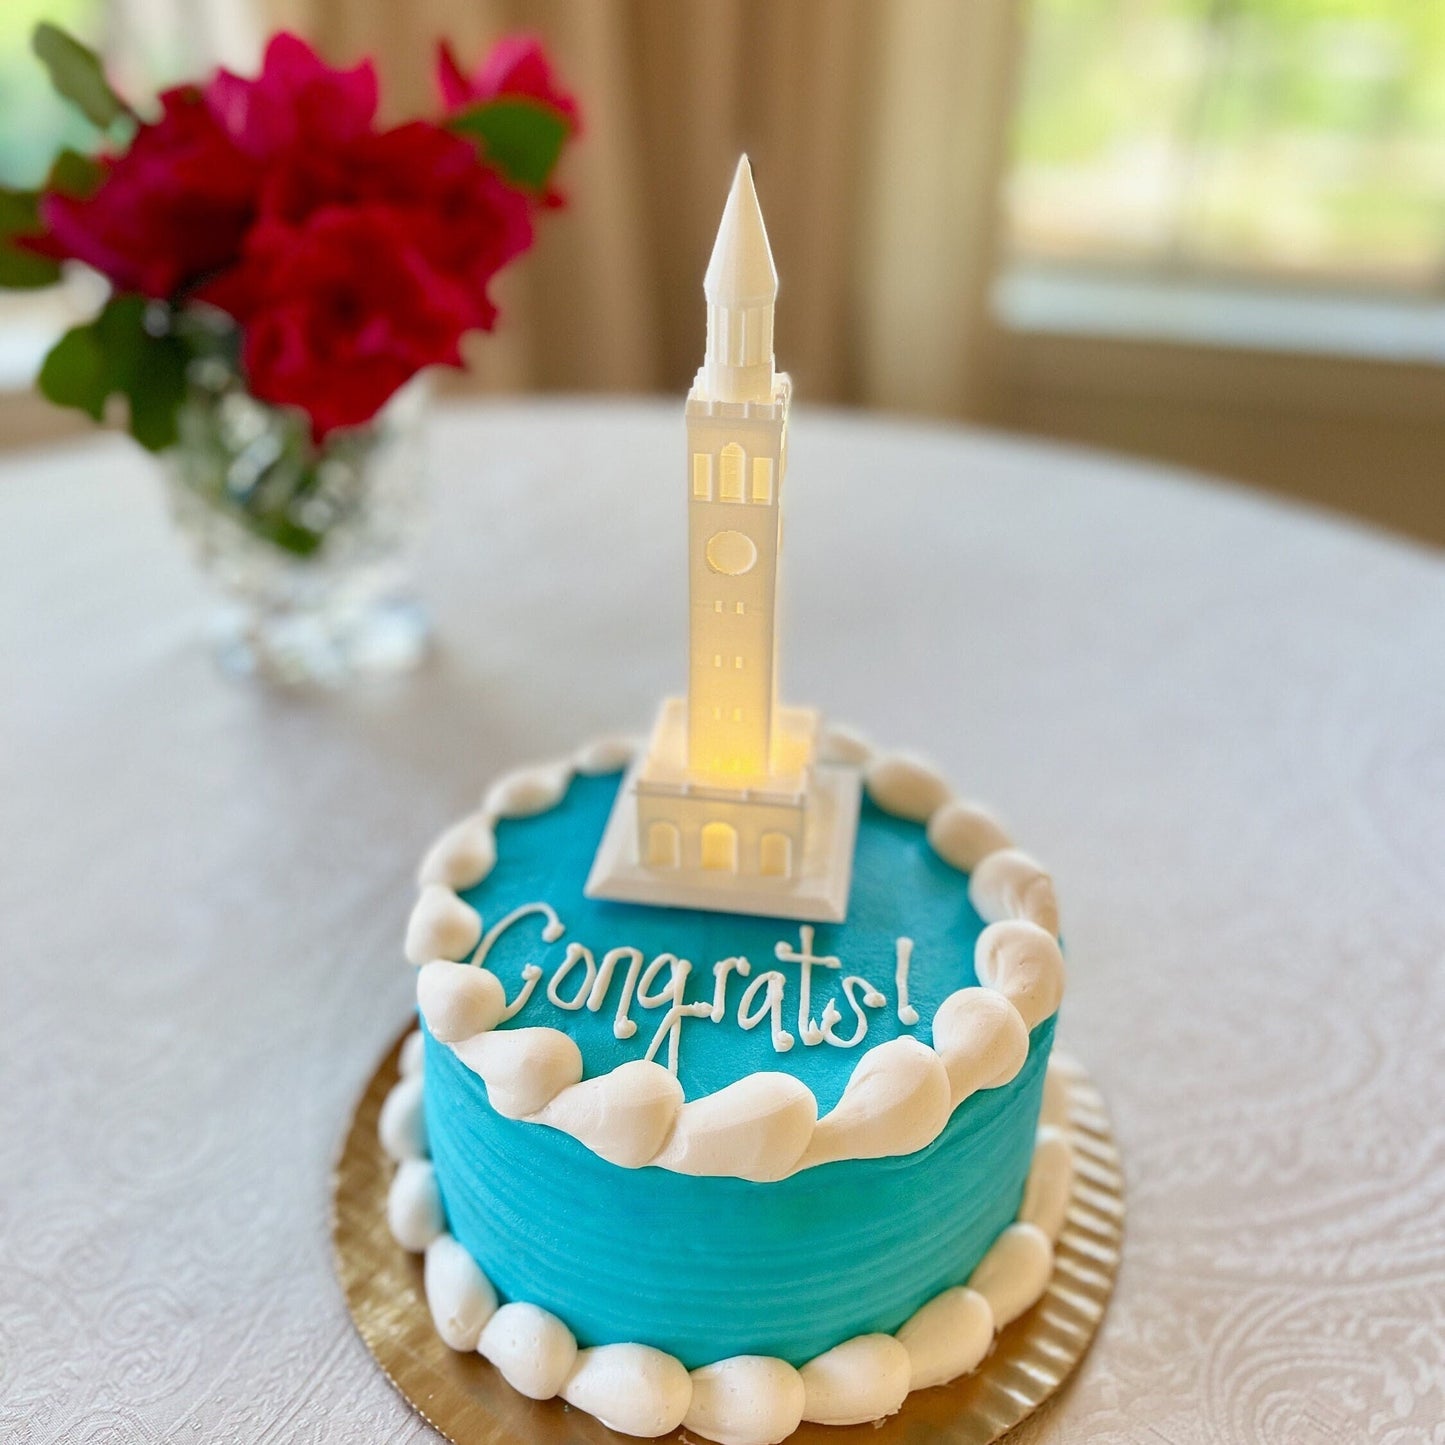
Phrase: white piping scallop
(901, 1093)
(401, 1126)
(606, 755)
(1010, 884)
(527, 791)
(441, 926)
(751, 1399)
(463, 855)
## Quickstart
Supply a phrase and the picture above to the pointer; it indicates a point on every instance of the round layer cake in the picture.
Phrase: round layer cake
(730, 1173)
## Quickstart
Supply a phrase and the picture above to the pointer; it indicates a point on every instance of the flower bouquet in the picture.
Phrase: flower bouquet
(280, 268)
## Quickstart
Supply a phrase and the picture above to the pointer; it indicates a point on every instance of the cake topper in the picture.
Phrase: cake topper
(731, 807)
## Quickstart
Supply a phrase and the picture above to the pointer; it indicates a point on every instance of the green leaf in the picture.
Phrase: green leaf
(76, 72)
(522, 138)
(72, 174)
(20, 216)
(113, 354)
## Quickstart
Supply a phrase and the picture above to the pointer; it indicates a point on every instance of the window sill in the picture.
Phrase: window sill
(1032, 298)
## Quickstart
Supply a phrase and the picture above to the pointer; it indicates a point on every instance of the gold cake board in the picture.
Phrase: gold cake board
(469, 1403)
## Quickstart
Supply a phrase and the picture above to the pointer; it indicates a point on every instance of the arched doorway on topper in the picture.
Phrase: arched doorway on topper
(775, 855)
(720, 847)
(664, 845)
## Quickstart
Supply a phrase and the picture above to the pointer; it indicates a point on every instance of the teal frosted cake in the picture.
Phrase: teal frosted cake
(724, 1111)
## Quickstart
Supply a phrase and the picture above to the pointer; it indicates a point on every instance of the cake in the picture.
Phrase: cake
(724, 1111)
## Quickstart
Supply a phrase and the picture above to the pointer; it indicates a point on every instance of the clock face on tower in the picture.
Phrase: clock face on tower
(731, 553)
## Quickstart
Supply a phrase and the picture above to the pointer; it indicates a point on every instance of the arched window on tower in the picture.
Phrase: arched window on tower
(730, 473)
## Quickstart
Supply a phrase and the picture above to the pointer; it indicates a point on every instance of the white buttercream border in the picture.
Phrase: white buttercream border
(745, 1400)
(765, 1126)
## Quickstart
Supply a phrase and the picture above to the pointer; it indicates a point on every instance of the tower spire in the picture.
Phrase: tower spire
(741, 285)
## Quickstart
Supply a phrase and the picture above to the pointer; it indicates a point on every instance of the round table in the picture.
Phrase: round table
(1220, 720)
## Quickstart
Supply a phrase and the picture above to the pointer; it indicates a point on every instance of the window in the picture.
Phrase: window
(738, 608)
(737, 714)
(738, 663)
(762, 479)
(730, 466)
(717, 605)
(1245, 173)
(1296, 140)
(701, 476)
(717, 659)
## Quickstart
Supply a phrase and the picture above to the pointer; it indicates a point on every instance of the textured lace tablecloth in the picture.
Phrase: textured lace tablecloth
(1220, 721)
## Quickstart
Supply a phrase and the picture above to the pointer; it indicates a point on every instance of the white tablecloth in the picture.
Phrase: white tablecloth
(1219, 720)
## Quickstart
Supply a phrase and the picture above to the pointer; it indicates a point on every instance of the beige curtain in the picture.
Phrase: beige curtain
(875, 129)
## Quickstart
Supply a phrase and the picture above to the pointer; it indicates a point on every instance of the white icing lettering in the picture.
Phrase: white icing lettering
(871, 997)
(576, 953)
(530, 974)
(552, 930)
(643, 984)
(907, 1014)
(805, 958)
(603, 981)
(748, 1018)
(720, 971)
(671, 1026)
(622, 1026)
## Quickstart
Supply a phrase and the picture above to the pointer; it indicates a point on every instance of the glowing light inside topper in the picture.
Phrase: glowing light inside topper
(730, 807)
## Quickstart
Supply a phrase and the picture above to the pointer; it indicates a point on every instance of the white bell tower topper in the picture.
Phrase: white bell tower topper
(730, 809)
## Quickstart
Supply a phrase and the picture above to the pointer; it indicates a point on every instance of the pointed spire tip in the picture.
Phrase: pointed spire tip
(741, 271)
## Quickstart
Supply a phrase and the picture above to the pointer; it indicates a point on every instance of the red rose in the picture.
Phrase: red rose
(167, 213)
(515, 65)
(350, 258)
(339, 312)
(461, 219)
(296, 101)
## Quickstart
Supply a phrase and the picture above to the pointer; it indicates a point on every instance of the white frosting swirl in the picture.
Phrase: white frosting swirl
(401, 1126)
(1022, 961)
(441, 926)
(458, 1001)
(527, 791)
(862, 1379)
(1014, 1273)
(459, 1295)
(963, 834)
(624, 1116)
(463, 855)
(746, 1400)
(1009, 884)
(905, 786)
(533, 1349)
(632, 1389)
(948, 1337)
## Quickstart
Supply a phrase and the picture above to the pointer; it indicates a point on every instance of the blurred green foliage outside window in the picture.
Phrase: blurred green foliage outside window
(1298, 140)
(34, 121)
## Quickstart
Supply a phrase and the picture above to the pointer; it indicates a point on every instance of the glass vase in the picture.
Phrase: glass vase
(311, 546)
